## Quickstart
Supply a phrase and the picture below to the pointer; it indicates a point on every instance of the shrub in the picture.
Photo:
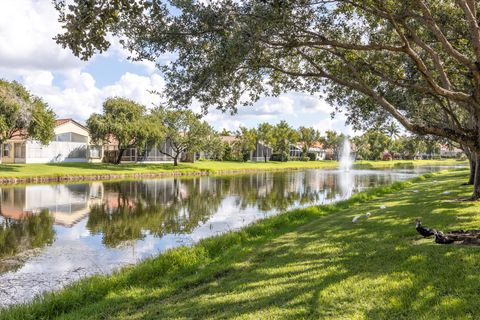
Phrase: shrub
(304, 159)
(279, 157)
(312, 156)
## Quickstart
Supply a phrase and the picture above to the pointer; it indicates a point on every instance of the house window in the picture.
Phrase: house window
(6, 150)
(95, 152)
(70, 137)
(75, 137)
(19, 151)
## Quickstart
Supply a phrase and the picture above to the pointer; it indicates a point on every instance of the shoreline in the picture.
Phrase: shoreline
(198, 169)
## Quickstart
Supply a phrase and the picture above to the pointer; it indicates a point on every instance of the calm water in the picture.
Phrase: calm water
(51, 235)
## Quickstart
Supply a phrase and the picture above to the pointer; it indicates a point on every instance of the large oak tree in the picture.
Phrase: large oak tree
(124, 123)
(417, 61)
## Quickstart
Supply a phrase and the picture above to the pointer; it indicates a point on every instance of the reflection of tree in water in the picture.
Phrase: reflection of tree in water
(32, 231)
(131, 209)
(268, 191)
(158, 207)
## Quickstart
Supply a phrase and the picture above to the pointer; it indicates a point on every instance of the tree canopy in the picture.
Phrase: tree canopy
(123, 122)
(284, 135)
(24, 115)
(184, 131)
(245, 143)
(265, 135)
(308, 136)
(415, 60)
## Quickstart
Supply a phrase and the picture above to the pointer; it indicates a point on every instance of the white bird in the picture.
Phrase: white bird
(415, 191)
(446, 192)
(355, 219)
(382, 207)
(368, 214)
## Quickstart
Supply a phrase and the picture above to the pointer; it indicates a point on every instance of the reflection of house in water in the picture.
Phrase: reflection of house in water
(68, 204)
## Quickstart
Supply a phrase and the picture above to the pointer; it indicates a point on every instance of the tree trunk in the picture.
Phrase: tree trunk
(476, 184)
(265, 154)
(175, 159)
(120, 155)
(472, 161)
(473, 166)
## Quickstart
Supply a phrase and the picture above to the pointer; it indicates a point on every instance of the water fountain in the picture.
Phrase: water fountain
(345, 158)
(346, 177)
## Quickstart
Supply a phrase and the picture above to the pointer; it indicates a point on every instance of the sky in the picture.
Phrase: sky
(75, 88)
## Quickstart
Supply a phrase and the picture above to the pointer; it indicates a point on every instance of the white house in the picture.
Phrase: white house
(71, 144)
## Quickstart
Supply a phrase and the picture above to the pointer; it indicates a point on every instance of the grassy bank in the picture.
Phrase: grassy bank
(307, 263)
(406, 163)
(14, 173)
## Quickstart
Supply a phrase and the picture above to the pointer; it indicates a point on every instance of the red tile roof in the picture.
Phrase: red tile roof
(59, 122)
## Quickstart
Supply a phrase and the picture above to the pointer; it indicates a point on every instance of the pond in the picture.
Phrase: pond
(52, 235)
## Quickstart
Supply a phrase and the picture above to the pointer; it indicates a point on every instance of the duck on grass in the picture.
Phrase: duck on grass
(468, 237)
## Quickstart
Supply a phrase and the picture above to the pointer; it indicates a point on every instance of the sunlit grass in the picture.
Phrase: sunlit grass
(307, 263)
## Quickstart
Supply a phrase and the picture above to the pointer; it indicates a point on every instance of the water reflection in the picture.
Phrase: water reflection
(26, 233)
(158, 207)
(100, 226)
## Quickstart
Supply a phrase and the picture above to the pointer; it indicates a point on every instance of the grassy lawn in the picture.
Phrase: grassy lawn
(91, 169)
(308, 263)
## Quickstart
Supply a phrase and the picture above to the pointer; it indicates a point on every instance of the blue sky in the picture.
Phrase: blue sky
(75, 88)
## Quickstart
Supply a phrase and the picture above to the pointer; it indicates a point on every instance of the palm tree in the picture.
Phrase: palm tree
(393, 130)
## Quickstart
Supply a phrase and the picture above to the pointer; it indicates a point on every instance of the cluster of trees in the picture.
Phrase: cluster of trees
(130, 125)
(278, 137)
(414, 61)
(387, 144)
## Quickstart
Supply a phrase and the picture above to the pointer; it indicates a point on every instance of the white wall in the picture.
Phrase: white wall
(54, 152)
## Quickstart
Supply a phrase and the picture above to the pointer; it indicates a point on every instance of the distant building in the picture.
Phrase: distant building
(261, 151)
(295, 152)
(450, 152)
(151, 153)
(316, 148)
(71, 144)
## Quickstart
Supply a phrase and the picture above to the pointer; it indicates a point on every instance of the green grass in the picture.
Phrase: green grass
(311, 263)
(91, 170)
(406, 163)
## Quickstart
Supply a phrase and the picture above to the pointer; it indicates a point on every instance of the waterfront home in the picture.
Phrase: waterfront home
(151, 153)
(319, 151)
(316, 148)
(70, 144)
(261, 151)
(295, 152)
(450, 152)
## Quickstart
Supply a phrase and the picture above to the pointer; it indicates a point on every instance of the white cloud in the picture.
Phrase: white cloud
(80, 96)
(26, 31)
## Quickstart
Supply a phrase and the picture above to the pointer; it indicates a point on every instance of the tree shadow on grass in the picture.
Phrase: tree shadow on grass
(8, 168)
